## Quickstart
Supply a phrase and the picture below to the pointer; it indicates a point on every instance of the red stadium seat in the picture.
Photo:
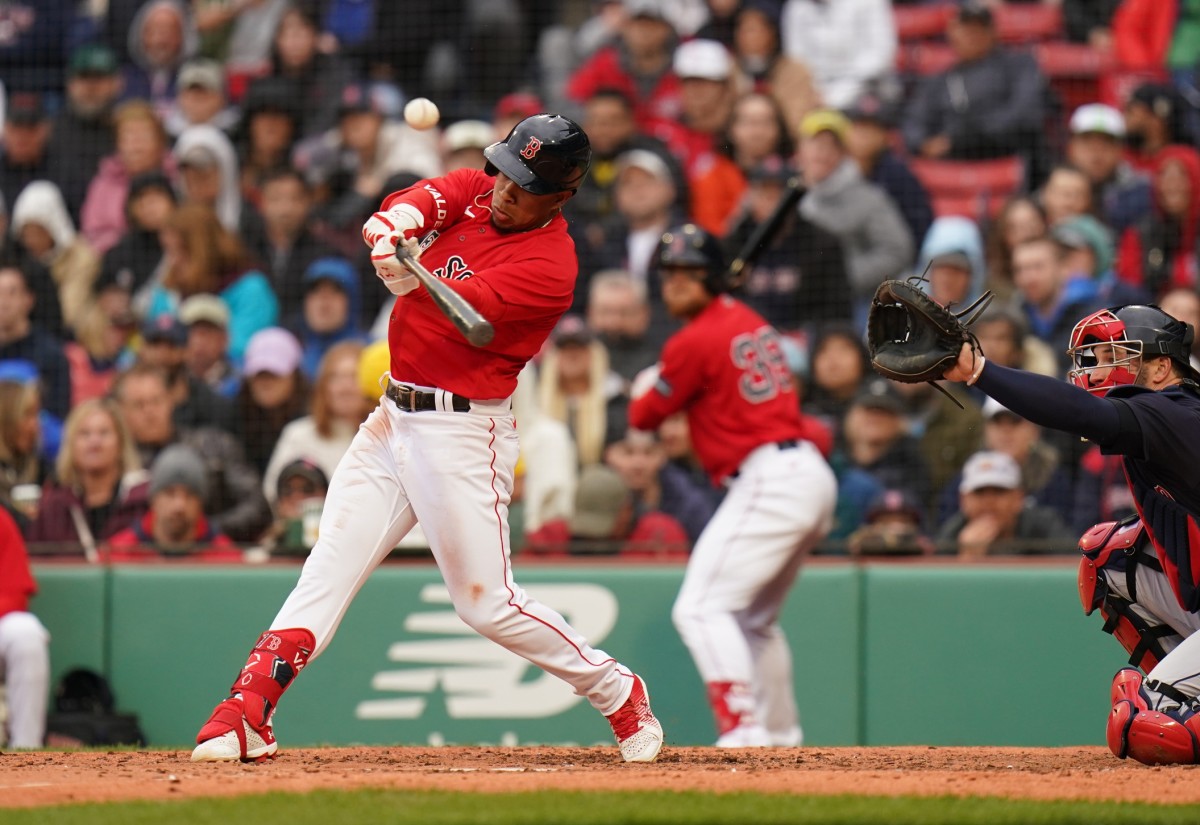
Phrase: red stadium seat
(1028, 22)
(915, 23)
(1075, 70)
(922, 59)
(975, 188)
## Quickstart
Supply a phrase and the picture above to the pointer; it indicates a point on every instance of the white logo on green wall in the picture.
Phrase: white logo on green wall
(479, 678)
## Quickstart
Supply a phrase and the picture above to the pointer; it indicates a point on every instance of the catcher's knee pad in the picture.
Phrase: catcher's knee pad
(276, 658)
(1156, 737)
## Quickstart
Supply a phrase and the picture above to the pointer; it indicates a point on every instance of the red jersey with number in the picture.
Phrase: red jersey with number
(520, 281)
(727, 369)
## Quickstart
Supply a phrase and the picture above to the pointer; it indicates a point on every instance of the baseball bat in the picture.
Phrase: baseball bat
(765, 231)
(475, 328)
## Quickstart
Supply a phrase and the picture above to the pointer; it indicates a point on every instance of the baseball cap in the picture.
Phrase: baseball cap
(273, 350)
(702, 59)
(1086, 232)
(1159, 98)
(204, 308)
(518, 104)
(92, 59)
(955, 258)
(645, 160)
(337, 271)
(178, 465)
(468, 134)
(1098, 118)
(375, 360)
(207, 74)
(879, 394)
(871, 108)
(165, 329)
(893, 502)
(301, 468)
(25, 109)
(384, 99)
(771, 168)
(650, 9)
(975, 11)
(598, 501)
(825, 120)
(993, 408)
(198, 157)
(571, 329)
(990, 469)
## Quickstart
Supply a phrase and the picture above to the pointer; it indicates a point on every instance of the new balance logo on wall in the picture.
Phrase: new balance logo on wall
(477, 678)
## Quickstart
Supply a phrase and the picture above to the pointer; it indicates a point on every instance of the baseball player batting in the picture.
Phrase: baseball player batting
(1133, 392)
(441, 447)
(727, 370)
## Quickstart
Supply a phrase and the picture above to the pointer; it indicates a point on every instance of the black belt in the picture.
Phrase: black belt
(410, 399)
(786, 444)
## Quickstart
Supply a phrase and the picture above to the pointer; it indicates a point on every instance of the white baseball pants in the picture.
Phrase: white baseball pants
(25, 668)
(742, 567)
(453, 472)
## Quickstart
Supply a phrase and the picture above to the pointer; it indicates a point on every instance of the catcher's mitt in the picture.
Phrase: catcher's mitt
(911, 337)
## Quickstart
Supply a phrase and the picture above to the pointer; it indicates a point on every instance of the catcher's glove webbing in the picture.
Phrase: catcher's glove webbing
(914, 339)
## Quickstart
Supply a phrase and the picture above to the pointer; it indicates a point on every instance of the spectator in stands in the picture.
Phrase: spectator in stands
(850, 46)
(577, 387)
(338, 408)
(44, 230)
(946, 428)
(330, 311)
(200, 100)
(142, 146)
(1154, 119)
(601, 517)
(618, 312)
(129, 265)
(1021, 218)
(1003, 333)
(206, 352)
(952, 259)
(161, 38)
(756, 133)
(82, 132)
(297, 500)
(235, 500)
(875, 240)
(758, 52)
(193, 403)
(24, 643)
(1096, 148)
(515, 107)
(994, 517)
(239, 35)
(1184, 304)
(35, 45)
(463, 144)
(349, 165)
(284, 240)
(208, 174)
(1158, 252)
(872, 120)
(875, 437)
(799, 278)
(548, 461)
(656, 485)
(1066, 193)
(893, 525)
(639, 65)
(99, 487)
(103, 337)
(1149, 36)
(175, 526)
(314, 77)
(838, 366)
(201, 256)
(1087, 248)
(273, 393)
(22, 340)
(266, 133)
(21, 460)
(25, 147)
(1050, 296)
(990, 103)
(676, 439)
(1090, 21)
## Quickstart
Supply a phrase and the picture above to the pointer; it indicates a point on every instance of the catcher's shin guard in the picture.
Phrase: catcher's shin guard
(240, 726)
(1128, 700)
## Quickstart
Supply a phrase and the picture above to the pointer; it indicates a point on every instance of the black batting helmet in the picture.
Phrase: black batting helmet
(689, 245)
(543, 154)
(1131, 332)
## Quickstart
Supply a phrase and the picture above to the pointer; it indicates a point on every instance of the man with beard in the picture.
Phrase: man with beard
(82, 133)
(618, 312)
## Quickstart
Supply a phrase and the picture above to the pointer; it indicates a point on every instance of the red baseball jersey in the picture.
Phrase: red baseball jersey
(520, 281)
(727, 369)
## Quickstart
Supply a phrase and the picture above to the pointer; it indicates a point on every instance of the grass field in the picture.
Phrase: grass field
(690, 808)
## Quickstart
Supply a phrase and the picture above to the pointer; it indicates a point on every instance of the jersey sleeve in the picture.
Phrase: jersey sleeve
(681, 378)
(441, 200)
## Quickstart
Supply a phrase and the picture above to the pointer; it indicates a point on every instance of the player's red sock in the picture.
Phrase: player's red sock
(732, 705)
(275, 660)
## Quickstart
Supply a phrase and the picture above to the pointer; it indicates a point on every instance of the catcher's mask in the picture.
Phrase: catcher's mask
(543, 154)
(1107, 346)
(690, 246)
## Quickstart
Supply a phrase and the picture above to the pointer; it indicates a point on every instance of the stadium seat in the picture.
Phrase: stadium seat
(923, 59)
(915, 23)
(1028, 22)
(975, 188)
(1075, 71)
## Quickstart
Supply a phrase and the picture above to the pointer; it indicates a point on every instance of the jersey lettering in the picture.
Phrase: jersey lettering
(455, 269)
(439, 205)
(764, 368)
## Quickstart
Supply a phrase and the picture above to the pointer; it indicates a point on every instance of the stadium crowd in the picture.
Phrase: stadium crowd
(191, 330)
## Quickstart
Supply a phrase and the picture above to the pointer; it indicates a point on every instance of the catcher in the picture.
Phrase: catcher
(1133, 392)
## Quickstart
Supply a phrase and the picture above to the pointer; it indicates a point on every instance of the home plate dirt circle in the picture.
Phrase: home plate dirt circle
(29, 779)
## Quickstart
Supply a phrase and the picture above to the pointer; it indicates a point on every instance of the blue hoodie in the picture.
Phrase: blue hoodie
(341, 272)
(954, 233)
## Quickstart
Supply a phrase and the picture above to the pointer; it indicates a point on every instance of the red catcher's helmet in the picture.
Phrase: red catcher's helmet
(1107, 346)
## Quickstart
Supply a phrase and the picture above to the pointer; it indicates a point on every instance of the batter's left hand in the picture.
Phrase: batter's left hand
(391, 271)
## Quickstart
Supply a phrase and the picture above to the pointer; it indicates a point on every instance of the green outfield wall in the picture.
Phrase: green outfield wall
(883, 654)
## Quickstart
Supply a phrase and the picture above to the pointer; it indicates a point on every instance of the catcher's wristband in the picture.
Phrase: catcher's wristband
(978, 370)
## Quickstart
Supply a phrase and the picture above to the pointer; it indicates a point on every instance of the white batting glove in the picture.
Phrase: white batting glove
(401, 221)
(644, 381)
(395, 275)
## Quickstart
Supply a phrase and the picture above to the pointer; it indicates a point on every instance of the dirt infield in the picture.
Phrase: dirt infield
(33, 779)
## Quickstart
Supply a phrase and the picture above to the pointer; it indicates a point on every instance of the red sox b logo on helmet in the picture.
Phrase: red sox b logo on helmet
(531, 149)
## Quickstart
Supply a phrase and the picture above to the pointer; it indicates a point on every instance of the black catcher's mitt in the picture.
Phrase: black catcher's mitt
(911, 337)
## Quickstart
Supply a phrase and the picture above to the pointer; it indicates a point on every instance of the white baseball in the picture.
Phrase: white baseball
(421, 113)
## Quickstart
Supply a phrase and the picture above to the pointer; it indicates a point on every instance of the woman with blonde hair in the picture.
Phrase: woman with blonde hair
(201, 256)
(99, 488)
(338, 407)
(20, 437)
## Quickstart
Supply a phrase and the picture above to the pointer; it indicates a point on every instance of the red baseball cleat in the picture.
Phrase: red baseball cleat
(639, 734)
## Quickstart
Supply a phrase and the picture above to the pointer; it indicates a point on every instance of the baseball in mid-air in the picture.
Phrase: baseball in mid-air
(421, 113)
